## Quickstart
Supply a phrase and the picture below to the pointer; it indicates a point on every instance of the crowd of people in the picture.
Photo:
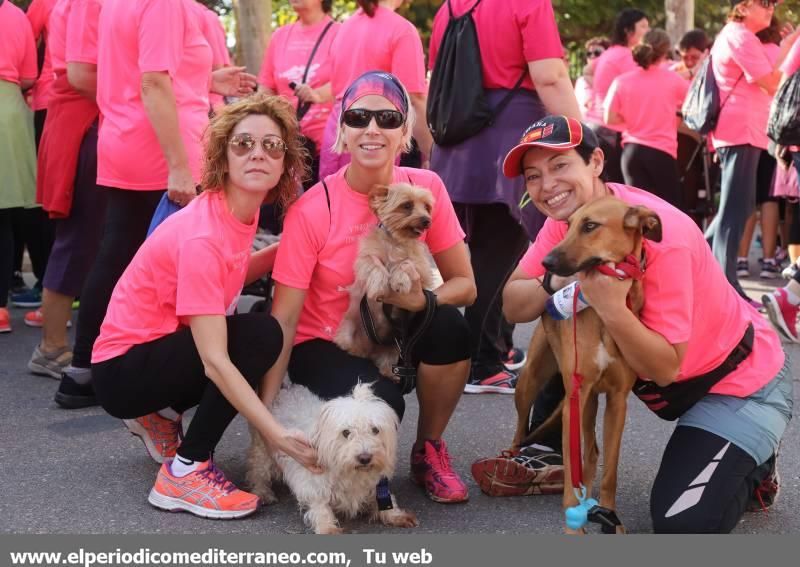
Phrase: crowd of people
(137, 104)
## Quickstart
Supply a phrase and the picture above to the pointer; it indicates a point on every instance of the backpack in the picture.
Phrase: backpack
(784, 116)
(702, 108)
(457, 107)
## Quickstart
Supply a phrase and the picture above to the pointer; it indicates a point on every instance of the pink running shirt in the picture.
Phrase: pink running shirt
(614, 61)
(737, 52)
(194, 263)
(792, 61)
(215, 34)
(511, 33)
(285, 62)
(319, 245)
(687, 298)
(136, 38)
(649, 100)
(39, 16)
(73, 33)
(17, 46)
(385, 42)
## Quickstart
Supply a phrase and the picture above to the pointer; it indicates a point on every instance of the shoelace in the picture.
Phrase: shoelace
(441, 465)
(217, 478)
(767, 486)
(168, 431)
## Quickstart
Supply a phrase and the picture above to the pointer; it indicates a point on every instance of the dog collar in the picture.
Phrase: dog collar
(383, 495)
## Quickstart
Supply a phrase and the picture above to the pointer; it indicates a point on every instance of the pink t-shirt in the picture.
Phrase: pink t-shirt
(614, 61)
(510, 34)
(17, 46)
(792, 61)
(194, 263)
(737, 52)
(215, 34)
(39, 16)
(648, 100)
(73, 33)
(136, 38)
(385, 42)
(687, 298)
(285, 62)
(319, 245)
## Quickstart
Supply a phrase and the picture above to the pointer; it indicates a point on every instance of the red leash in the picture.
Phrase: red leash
(630, 269)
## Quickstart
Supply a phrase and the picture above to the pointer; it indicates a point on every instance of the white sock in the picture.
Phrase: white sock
(79, 375)
(170, 414)
(793, 298)
(181, 467)
(741, 259)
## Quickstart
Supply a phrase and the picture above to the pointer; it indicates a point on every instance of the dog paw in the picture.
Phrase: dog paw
(265, 495)
(329, 530)
(400, 281)
(399, 518)
(376, 283)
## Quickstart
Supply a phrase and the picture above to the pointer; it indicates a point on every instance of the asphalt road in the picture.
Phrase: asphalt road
(81, 472)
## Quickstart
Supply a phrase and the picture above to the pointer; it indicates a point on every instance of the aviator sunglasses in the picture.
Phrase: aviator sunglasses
(766, 4)
(243, 144)
(361, 117)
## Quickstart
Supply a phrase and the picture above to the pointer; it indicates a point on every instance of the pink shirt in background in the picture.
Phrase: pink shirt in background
(614, 61)
(17, 46)
(285, 62)
(648, 100)
(215, 34)
(319, 245)
(737, 52)
(792, 61)
(82, 30)
(136, 38)
(687, 298)
(510, 34)
(57, 35)
(194, 263)
(584, 93)
(385, 42)
(39, 16)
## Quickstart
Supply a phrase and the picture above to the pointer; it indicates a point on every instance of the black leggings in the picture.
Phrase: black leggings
(168, 373)
(128, 215)
(704, 483)
(329, 372)
(652, 170)
(6, 253)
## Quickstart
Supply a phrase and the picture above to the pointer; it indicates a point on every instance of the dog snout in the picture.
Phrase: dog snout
(425, 222)
(553, 260)
(364, 458)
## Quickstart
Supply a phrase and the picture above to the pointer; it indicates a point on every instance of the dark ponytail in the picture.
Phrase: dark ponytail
(655, 45)
(368, 6)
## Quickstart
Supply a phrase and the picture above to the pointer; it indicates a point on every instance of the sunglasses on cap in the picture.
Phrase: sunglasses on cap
(596, 52)
(361, 117)
(243, 144)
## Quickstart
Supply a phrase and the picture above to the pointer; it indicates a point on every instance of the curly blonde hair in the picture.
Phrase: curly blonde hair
(218, 133)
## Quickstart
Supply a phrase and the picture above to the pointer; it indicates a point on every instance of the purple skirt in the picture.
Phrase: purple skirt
(472, 171)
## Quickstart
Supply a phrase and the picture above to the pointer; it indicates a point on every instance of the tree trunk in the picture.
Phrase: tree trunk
(680, 18)
(253, 30)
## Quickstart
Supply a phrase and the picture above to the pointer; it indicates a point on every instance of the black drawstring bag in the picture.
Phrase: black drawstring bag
(784, 117)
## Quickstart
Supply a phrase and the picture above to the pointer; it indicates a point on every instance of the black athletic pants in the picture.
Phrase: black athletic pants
(168, 373)
(654, 171)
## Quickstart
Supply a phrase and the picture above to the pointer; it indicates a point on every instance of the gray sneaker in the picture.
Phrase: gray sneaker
(50, 364)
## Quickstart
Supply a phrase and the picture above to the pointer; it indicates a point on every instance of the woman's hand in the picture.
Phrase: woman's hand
(233, 81)
(604, 293)
(180, 186)
(297, 446)
(307, 94)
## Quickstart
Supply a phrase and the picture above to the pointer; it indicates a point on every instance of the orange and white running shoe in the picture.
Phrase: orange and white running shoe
(205, 492)
(161, 436)
(5, 321)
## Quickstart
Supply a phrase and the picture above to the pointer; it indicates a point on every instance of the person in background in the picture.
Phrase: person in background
(650, 134)
(153, 74)
(18, 73)
(67, 178)
(374, 38)
(746, 78)
(692, 49)
(287, 70)
(630, 25)
(584, 85)
(214, 33)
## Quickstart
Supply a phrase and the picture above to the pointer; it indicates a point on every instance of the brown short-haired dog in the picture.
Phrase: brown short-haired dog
(605, 230)
(389, 258)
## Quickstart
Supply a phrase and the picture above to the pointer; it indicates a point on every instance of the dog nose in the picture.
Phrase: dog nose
(364, 458)
(550, 261)
(425, 223)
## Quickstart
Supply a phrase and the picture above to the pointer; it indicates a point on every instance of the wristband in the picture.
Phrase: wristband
(547, 283)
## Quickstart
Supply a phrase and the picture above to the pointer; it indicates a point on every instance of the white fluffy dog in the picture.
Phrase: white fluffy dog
(356, 441)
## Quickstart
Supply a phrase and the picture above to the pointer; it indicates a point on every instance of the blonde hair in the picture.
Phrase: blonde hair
(408, 128)
(218, 133)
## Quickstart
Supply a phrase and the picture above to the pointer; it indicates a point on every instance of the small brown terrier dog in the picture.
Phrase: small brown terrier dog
(605, 230)
(390, 258)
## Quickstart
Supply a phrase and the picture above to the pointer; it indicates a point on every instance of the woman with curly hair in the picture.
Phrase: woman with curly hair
(171, 339)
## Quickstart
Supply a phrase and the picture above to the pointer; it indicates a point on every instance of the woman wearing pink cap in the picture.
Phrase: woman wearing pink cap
(645, 102)
(314, 268)
(153, 74)
(298, 61)
(376, 38)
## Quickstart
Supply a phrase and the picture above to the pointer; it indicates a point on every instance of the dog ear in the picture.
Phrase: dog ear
(377, 195)
(644, 219)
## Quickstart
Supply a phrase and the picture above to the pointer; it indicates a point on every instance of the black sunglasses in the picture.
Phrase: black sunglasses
(591, 53)
(766, 4)
(361, 117)
(243, 144)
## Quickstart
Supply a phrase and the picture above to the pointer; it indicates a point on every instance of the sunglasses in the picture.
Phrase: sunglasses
(361, 117)
(243, 144)
(592, 53)
(767, 4)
